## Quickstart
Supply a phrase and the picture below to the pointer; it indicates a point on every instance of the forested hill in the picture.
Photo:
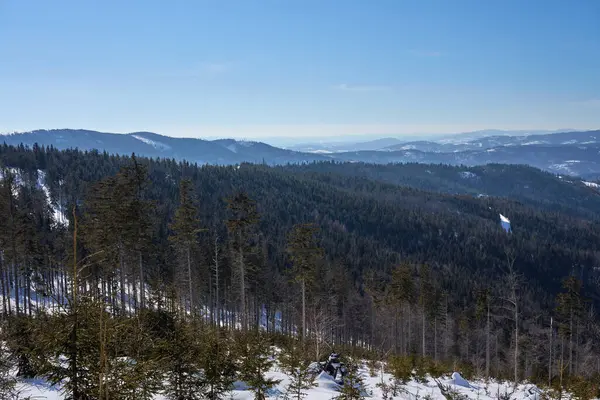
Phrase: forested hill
(366, 224)
(518, 182)
(367, 229)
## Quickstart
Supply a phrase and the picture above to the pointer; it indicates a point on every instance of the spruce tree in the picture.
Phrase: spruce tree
(185, 227)
(184, 376)
(140, 374)
(304, 253)
(243, 217)
(353, 386)
(402, 292)
(302, 378)
(135, 221)
(218, 366)
(69, 344)
(254, 363)
(7, 381)
(569, 309)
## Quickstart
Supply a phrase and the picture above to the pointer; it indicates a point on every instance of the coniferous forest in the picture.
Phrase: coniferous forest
(123, 277)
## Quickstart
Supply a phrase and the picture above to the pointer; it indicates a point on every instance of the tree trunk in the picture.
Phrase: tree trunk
(142, 282)
(408, 343)
(435, 352)
(423, 332)
(16, 278)
(516, 341)
(550, 356)
(487, 343)
(217, 303)
(190, 288)
(571, 342)
(2, 282)
(122, 280)
(303, 309)
(242, 273)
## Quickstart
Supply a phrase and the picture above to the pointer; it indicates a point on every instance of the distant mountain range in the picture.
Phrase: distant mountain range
(351, 144)
(568, 153)
(148, 144)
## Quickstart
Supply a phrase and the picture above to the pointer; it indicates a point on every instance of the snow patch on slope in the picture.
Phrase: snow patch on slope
(18, 180)
(534, 142)
(321, 152)
(59, 215)
(505, 223)
(591, 184)
(468, 175)
(153, 143)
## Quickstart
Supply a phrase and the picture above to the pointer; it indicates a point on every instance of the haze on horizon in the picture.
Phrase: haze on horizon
(303, 69)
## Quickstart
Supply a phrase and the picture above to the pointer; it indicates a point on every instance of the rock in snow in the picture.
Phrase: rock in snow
(458, 380)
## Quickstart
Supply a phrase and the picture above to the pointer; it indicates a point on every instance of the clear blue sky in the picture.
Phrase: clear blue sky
(256, 68)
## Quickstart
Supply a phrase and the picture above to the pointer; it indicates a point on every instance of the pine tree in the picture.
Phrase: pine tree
(20, 340)
(75, 335)
(184, 377)
(569, 309)
(353, 387)
(402, 292)
(7, 381)
(117, 227)
(217, 364)
(483, 311)
(304, 254)
(243, 217)
(8, 236)
(427, 301)
(302, 378)
(139, 375)
(135, 220)
(253, 353)
(185, 227)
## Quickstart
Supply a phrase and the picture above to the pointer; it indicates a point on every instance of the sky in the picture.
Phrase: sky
(299, 68)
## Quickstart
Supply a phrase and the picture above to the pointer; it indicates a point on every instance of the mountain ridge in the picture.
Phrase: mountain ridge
(569, 153)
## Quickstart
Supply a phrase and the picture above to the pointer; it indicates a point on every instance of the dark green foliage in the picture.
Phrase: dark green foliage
(401, 367)
(74, 335)
(184, 348)
(134, 362)
(252, 350)
(353, 386)
(186, 227)
(582, 389)
(294, 362)
(20, 340)
(218, 364)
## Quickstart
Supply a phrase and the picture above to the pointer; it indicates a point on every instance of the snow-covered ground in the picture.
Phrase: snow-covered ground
(327, 389)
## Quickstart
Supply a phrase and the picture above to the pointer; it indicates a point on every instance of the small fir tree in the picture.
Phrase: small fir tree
(253, 353)
(218, 366)
(353, 386)
(302, 378)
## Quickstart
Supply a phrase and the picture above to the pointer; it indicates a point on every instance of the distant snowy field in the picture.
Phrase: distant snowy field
(326, 389)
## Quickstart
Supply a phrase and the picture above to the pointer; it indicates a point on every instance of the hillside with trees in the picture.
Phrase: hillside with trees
(107, 259)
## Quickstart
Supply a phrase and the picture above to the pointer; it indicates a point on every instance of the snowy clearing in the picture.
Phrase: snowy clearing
(327, 389)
